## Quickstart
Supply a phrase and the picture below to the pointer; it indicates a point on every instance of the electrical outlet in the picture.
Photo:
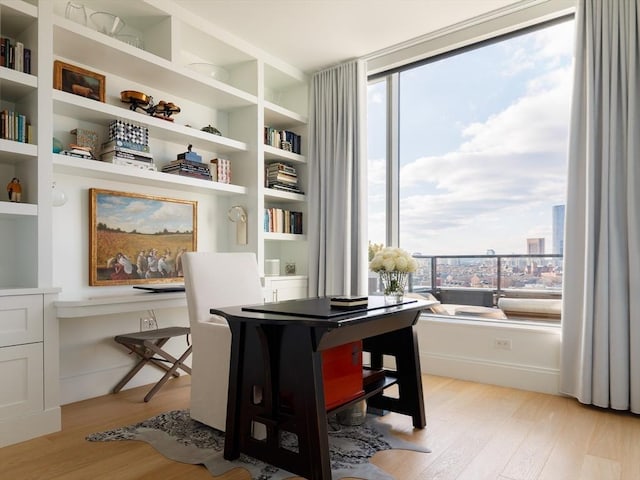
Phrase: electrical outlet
(148, 324)
(502, 343)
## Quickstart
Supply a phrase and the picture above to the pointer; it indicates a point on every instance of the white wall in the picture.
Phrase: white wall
(466, 350)
(92, 363)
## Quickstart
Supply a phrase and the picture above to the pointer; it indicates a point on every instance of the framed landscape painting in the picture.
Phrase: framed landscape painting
(136, 239)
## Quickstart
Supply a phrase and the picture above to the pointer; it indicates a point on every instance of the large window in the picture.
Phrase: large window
(480, 137)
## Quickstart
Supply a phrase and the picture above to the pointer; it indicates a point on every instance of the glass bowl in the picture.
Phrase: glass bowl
(132, 40)
(210, 70)
(107, 23)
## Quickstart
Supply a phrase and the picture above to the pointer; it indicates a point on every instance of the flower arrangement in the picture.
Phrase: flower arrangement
(393, 265)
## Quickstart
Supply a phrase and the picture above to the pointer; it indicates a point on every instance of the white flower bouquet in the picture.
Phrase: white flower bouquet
(393, 265)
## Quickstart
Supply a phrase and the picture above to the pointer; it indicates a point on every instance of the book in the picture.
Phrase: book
(348, 301)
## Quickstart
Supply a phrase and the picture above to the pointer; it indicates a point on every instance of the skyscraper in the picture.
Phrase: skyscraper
(535, 245)
(558, 229)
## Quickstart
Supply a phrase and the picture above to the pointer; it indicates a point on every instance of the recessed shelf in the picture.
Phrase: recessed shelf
(273, 153)
(277, 116)
(291, 237)
(96, 169)
(16, 85)
(277, 195)
(88, 110)
(12, 152)
(118, 58)
(14, 209)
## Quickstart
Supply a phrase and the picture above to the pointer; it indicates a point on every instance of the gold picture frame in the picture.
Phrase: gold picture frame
(78, 81)
(136, 239)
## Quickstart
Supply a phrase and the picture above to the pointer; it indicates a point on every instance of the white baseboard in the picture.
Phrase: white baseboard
(20, 429)
(524, 377)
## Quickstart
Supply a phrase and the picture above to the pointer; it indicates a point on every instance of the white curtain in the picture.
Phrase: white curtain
(337, 229)
(601, 306)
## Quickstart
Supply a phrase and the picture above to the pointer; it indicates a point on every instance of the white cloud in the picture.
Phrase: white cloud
(509, 164)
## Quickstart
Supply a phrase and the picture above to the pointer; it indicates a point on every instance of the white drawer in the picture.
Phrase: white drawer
(20, 319)
(22, 380)
(278, 289)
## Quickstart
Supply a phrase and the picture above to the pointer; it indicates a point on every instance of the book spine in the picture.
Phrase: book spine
(27, 60)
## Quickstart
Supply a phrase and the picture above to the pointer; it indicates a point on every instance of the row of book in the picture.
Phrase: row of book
(14, 126)
(281, 176)
(278, 220)
(14, 55)
(284, 139)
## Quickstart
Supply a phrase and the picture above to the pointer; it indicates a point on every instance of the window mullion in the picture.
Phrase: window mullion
(393, 160)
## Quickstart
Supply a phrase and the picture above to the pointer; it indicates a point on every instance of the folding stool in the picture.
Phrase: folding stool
(148, 343)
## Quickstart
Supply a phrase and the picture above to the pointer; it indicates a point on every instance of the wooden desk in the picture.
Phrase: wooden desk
(278, 348)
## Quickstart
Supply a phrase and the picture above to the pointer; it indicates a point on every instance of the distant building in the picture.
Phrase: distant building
(558, 229)
(491, 251)
(535, 245)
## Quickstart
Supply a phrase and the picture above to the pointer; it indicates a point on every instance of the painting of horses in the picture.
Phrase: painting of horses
(137, 239)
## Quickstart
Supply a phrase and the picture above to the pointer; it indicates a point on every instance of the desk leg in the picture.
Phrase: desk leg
(232, 428)
(302, 377)
(403, 345)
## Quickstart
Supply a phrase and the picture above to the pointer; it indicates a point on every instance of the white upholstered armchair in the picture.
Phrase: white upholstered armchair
(215, 280)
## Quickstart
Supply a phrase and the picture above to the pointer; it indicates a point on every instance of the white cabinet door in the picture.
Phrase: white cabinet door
(22, 380)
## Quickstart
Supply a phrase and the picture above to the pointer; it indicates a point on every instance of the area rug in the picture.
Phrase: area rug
(176, 436)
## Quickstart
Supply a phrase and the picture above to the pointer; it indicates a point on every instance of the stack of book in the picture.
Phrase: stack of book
(188, 168)
(283, 139)
(278, 220)
(281, 176)
(121, 152)
(14, 126)
(78, 151)
(349, 302)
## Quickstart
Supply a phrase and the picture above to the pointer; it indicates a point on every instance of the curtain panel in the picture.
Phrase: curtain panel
(337, 216)
(600, 358)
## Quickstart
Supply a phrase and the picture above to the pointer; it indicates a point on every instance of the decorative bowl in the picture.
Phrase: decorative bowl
(107, 23)
(210, 70)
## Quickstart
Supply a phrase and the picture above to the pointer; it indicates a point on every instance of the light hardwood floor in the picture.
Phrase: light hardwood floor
(475, 431)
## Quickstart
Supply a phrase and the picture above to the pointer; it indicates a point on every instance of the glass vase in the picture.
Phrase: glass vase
(393, 285)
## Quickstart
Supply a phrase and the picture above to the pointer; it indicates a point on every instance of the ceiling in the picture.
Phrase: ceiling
(314, 34)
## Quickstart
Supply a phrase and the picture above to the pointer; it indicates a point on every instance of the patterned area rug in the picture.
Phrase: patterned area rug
(176, 436)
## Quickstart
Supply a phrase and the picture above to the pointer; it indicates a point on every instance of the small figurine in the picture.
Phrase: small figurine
(14, 190)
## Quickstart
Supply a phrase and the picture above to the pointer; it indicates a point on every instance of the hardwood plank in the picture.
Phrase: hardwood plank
(475, 431)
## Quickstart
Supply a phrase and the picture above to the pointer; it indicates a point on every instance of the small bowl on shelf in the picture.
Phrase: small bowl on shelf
(210, 70)
(107, 23)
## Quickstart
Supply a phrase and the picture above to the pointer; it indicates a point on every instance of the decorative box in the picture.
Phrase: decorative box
(128, 132)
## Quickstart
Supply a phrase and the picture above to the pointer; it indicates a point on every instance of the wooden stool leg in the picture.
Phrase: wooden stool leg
(172, 371)
(145, 356)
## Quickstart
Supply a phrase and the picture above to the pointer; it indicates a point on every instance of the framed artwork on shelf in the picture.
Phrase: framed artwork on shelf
(135, 239)
(79, 81)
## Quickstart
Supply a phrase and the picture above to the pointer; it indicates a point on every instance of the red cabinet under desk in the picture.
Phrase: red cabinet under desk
(342, 374)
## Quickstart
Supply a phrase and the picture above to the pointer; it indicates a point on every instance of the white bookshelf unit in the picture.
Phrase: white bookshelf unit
(45, 248)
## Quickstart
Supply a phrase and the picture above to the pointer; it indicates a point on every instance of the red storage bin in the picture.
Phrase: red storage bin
(342, 374)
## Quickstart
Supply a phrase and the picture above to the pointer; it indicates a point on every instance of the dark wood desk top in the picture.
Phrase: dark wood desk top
(317, 312)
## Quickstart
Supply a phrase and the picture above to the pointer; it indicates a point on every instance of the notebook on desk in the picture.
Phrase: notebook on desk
(160, 288)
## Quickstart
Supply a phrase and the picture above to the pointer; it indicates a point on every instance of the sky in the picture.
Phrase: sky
(143, 215)
(483, 146)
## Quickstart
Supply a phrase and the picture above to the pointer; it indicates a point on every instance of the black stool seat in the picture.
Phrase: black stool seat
(149, 343)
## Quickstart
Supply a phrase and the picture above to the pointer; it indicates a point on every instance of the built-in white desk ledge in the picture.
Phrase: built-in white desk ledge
(70, 306)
